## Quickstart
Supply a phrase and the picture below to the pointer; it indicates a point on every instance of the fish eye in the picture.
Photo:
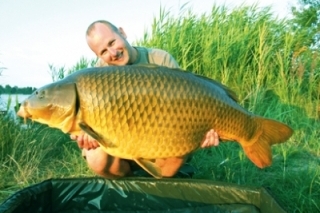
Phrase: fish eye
(40, 94)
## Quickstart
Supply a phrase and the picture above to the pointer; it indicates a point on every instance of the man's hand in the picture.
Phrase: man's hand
(85, 141)
(211, 139)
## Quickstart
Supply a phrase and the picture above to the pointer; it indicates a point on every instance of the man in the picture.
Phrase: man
(111, 47)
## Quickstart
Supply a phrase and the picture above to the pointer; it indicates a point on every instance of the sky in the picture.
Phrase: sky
(37, 33)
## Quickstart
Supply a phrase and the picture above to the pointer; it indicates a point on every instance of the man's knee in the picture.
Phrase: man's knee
(97, 160)
(106, 165)
(170, 166)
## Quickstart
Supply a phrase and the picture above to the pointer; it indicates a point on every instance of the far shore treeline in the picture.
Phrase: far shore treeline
(16, 90)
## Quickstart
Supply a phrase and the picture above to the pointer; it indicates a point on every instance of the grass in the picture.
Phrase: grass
(34, 152)
(260, 57)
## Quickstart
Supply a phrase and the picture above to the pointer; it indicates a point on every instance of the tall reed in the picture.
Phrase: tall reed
(263, 59)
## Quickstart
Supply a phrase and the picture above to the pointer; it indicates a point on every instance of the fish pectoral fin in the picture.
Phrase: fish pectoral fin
(87, 129)
(149, 167)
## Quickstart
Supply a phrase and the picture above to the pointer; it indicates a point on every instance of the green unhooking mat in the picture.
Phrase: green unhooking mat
(139, 195)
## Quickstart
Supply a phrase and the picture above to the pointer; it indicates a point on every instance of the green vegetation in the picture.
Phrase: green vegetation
(16, 90)
(33, 152)
(274, 74)
(263, 59)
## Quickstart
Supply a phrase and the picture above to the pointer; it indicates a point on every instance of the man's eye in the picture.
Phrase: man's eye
(104, 52)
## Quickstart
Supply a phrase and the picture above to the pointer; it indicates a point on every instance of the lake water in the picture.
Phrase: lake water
(4, 99)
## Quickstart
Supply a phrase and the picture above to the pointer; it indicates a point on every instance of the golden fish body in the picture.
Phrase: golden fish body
(149, 112)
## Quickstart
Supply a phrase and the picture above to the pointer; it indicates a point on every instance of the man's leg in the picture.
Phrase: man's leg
(113, 167)
(106, 165)
(170, 166)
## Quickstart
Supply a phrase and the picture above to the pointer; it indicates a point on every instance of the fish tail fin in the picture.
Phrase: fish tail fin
(269, 132)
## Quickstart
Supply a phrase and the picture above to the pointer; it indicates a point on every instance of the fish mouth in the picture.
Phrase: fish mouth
(23, 112)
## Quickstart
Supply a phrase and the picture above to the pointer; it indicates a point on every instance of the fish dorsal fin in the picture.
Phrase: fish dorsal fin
(87, 129)
(228, 91)
(149, 167)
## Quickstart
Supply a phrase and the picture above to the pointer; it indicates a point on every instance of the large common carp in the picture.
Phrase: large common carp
(145, 112)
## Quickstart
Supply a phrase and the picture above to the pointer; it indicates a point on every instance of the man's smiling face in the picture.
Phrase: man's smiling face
(110, 45)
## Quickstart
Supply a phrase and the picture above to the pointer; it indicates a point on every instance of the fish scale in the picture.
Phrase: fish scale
(149, 112)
